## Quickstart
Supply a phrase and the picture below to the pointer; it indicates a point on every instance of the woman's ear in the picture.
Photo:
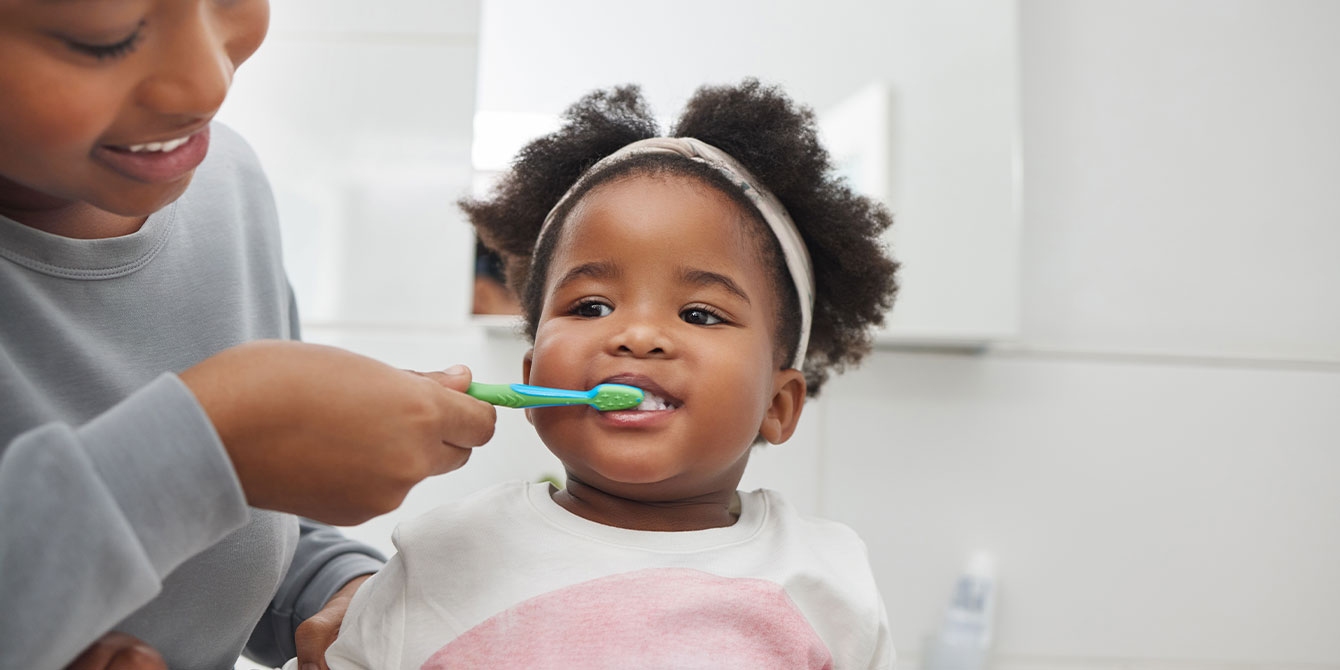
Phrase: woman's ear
(788, 398)
(525, 375)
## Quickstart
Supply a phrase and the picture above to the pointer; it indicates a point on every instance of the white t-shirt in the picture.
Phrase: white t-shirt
(508, 578)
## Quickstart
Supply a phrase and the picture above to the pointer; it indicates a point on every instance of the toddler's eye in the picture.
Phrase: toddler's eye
(699, 316)
(592, 309)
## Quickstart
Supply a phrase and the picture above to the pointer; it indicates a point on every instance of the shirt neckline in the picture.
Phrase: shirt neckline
(71, 258)
(753, 514)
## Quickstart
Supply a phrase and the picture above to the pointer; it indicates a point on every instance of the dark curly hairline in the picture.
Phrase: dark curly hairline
(785, 336)
(777, 141)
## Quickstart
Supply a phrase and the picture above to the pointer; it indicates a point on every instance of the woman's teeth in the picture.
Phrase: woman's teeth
(158, 146)
(652, 402)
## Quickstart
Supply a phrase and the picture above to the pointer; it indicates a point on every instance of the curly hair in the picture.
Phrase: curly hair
(774, 139)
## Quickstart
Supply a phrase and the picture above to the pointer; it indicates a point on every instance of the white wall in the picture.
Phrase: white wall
(1153, 461)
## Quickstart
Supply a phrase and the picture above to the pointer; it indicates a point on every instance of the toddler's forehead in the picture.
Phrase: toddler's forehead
(666, 191)
(639, 222)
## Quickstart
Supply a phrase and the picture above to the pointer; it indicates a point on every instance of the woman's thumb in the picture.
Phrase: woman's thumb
(456, 377)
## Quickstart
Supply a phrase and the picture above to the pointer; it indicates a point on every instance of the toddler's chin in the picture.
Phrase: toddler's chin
(635, 481)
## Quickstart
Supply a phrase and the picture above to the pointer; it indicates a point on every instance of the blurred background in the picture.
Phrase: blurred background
(1115, 364)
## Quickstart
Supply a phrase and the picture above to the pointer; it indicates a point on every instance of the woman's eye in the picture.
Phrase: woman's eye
(104, 51)
(592, 309)
(700, 317)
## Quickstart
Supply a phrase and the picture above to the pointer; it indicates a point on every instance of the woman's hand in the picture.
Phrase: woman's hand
(327, 434)
(118, 651)
(316, 634)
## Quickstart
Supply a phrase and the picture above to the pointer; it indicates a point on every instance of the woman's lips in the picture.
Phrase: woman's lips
(156, 167)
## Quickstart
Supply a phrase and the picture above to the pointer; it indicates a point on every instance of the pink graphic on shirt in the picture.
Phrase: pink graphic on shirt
(655, 618)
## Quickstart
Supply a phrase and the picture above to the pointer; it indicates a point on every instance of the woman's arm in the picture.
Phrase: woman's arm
(95, 516)
(323, 565)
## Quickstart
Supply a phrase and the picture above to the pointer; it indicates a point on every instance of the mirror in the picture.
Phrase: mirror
(918, 104)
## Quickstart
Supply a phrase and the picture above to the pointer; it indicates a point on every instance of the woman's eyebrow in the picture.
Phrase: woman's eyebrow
(699, 277)
(592, 270)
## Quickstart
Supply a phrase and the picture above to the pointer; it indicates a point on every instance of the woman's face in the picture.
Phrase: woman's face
(92, 87)
(657, 283)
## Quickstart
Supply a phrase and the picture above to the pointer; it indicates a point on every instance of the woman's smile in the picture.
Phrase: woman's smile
(156, 162)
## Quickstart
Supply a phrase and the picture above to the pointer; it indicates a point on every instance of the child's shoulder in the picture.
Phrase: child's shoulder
(480, 514)
(828, 542)
(783, 513)
(826, 567)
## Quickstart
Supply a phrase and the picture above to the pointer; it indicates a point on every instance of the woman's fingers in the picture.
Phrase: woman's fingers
(118, 651)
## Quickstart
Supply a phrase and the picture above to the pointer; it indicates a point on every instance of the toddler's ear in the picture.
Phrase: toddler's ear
(788, 398)
(525, 375)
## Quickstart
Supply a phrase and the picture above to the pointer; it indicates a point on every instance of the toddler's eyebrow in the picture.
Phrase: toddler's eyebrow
(709, 278)
(593, 270)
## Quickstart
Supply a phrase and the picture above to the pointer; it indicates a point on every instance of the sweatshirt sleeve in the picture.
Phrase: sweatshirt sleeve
(95, 516)
(324, 562)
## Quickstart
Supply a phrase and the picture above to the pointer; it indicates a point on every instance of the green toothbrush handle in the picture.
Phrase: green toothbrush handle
(505, 395)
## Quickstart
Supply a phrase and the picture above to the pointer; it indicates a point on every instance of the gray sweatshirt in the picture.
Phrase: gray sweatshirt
(119, 508)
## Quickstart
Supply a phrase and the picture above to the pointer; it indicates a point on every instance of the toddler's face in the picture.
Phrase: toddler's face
(657, 283)
(83, 81)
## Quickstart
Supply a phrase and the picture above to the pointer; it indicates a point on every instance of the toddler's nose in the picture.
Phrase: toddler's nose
(641, 339)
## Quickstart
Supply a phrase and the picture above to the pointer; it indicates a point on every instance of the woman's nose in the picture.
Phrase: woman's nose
(192, 77)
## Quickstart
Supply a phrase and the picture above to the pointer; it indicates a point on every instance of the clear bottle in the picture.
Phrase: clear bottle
(964, 639)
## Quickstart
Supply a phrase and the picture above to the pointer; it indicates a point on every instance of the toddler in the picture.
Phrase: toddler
(726, 272)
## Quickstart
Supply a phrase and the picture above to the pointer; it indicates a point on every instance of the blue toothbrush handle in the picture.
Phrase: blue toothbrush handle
(522, 395)
(557, 394)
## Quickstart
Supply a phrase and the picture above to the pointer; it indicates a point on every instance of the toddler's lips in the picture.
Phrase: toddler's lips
(654, 398)
(637, 418)
(657, 406)
(156, 162)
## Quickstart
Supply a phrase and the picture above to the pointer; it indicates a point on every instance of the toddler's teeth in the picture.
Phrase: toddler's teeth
(653, 403)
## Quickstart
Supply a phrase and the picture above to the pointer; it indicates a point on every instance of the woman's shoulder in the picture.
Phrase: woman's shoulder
(230, 173)
(228, 148)
(229, 195)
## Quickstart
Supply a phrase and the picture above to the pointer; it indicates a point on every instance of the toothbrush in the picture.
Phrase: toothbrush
(605, 397)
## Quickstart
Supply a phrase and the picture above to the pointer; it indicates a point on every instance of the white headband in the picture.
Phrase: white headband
(783, 228)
